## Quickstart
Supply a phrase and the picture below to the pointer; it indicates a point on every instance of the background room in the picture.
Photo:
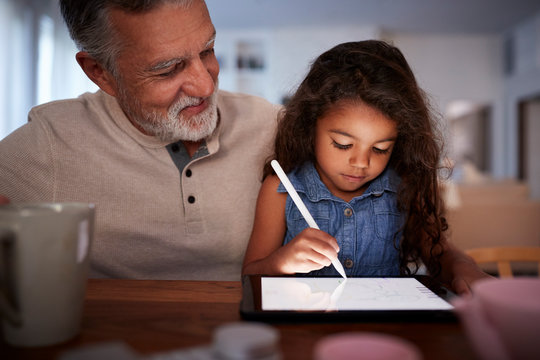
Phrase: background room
(479, 61)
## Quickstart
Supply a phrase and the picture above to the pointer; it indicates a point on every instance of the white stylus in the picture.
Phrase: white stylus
(303, 209)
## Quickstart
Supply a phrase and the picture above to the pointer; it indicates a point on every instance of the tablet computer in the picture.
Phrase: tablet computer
(290, 298)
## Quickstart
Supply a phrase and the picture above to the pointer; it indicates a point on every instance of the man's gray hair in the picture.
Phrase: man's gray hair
(90, 27)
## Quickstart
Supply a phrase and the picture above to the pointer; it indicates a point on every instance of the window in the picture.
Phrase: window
(39, 65)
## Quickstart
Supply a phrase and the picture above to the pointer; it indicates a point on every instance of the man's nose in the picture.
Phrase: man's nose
(199, 80)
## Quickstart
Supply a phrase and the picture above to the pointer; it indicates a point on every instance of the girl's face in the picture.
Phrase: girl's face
(353, 144)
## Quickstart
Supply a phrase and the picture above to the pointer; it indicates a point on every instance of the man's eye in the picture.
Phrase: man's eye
(172, 70)
(207, 52)
(341, 146)
(167, 73)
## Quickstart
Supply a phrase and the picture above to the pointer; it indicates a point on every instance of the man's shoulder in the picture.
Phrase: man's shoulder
(240, 103)
(226, 95)
(74, 107)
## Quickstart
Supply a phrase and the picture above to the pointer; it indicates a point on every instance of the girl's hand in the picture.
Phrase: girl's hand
(310, 250)
(465, 274)
(459, 270)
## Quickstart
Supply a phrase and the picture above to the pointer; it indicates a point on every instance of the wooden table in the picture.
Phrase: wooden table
(154, 316)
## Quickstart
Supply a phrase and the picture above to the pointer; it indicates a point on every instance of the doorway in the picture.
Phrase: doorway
(529, 146)
(470, 145)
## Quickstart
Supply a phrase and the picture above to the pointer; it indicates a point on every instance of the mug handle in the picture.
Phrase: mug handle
(8, 302)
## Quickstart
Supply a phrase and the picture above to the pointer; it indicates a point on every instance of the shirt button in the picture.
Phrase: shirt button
(175, 148)
(348, 212)
(188, 173)
(191, 199)
(349, 263)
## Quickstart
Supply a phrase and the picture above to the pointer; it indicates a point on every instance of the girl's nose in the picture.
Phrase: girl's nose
(360, 159)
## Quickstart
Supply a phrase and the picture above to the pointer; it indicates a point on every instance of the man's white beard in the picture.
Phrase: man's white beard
(174, 126)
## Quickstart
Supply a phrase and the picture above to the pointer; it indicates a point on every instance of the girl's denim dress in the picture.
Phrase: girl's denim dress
(364, 227)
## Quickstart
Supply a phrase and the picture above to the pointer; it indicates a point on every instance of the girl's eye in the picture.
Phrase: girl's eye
(381, 151)
(341, 146)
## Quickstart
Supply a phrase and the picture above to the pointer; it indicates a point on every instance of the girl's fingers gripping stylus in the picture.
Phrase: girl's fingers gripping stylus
(315, 246)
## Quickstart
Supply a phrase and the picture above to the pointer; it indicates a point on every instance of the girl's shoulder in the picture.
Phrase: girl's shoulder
(269, 196)
(270, 186)
(271, 181)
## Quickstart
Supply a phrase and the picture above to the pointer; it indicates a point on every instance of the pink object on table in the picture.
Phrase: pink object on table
(365, 346)
(502, 318)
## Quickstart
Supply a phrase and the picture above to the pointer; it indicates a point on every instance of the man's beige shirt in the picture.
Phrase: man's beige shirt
(86, 150)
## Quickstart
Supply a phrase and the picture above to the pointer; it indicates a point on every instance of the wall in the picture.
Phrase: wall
(294, 49)
(37, 66)
(501, 71)
(461, 68)
(521, 82)
(532, 147)
(448, 67)
(16, 64)
(288, 51)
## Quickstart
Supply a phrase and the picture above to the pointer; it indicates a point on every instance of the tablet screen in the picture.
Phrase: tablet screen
(331, 294)
(288, 298)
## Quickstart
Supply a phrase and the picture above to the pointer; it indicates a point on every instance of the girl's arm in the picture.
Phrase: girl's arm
(310, 250)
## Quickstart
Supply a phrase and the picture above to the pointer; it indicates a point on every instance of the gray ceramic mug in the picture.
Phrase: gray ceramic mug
(44, 261)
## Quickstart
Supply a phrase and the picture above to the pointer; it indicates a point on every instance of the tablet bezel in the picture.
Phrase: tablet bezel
(251, 307)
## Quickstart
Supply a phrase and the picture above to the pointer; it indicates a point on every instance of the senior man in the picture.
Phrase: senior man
(172, 163)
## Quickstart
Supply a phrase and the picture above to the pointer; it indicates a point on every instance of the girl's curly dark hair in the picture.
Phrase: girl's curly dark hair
(376, 73)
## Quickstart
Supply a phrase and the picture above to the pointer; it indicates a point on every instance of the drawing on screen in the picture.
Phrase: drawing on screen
(329, 294)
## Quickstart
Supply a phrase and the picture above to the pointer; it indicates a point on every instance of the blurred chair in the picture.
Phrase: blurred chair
(503, 256)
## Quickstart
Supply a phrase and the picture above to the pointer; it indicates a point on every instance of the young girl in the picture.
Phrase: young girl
(360, 146)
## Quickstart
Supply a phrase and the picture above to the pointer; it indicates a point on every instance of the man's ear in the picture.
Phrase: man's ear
(100, 76)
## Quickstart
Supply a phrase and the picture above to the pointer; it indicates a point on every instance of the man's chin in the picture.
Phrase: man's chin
(168, 130)
(191, 134)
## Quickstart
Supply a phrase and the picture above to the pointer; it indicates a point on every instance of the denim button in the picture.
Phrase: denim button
(348, 212)
(349, 263)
